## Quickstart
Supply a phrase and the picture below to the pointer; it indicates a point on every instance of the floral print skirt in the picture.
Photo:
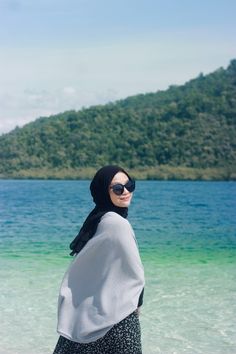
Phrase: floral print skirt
(124, 337)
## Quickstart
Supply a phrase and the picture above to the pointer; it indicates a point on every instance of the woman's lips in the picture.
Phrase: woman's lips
(125, 199)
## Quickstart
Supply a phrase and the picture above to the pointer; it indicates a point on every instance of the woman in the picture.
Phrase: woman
(103, 287)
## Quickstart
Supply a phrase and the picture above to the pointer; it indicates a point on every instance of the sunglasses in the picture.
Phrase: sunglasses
(119, 188)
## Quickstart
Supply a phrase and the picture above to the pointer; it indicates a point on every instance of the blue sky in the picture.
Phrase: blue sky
(57, 55)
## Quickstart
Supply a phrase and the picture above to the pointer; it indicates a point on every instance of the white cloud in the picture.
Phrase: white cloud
(17, 109)
(69, 91)
(42, 81)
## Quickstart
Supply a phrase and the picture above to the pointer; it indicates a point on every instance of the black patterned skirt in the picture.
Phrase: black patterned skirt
(124, 337)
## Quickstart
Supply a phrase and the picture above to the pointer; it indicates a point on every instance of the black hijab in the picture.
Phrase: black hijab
(99, 188)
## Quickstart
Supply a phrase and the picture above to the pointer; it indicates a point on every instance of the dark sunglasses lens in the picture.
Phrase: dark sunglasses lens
(118, 189)
(130, 185)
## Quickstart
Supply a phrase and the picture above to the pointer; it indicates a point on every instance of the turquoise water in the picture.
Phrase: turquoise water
(187, 237)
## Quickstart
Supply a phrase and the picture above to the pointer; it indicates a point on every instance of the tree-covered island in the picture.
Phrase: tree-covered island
(185, 132)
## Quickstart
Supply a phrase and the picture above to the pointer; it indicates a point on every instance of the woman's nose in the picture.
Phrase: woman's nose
(125, 191)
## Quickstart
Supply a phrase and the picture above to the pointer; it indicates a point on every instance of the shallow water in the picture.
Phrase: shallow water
(187, 238)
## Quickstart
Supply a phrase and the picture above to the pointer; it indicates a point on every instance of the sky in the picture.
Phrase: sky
(59, 55)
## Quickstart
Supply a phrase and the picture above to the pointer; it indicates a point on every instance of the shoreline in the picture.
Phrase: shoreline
(158, 173)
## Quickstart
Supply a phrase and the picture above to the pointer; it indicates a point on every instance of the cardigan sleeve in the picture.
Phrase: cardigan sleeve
(124, 234)
(140, 301)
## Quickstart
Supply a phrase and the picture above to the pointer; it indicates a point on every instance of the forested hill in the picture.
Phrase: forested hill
(186, 131)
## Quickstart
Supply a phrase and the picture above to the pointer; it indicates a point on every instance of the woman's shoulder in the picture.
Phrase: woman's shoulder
(113, 217)
(115, 231)
(113, 221)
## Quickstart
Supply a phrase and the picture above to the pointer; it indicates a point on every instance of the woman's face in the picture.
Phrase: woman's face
(123, 200)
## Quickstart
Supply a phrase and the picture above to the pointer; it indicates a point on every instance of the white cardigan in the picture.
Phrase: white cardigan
(103, 283)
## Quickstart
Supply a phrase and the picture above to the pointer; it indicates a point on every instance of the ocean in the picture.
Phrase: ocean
(186, 233)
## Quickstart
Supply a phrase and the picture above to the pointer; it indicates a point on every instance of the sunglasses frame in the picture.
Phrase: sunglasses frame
(130, 186)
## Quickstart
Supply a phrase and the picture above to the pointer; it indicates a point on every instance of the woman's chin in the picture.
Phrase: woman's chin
(124, 203)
